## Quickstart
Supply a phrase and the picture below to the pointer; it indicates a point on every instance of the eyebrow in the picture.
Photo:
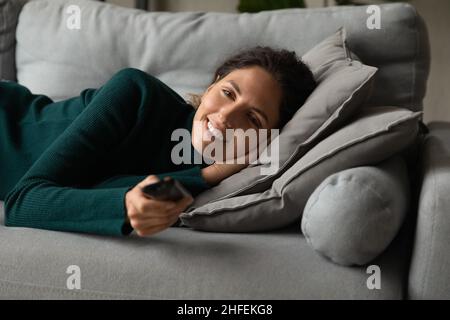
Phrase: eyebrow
(236, 87)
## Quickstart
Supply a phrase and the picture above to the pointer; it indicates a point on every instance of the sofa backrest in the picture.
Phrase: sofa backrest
(9, 12)
(184, 48)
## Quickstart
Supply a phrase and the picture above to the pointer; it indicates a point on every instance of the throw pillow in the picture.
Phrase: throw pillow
(343, 85)
(353, 215)
(374, 135)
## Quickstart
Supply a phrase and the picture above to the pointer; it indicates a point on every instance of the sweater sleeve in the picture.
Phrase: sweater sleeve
(49, 195)
(191, 179)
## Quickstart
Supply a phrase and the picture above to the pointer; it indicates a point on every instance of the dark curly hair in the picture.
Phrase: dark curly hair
(292, 74)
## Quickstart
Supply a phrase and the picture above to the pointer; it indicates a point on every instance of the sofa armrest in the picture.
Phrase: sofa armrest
(429, 276)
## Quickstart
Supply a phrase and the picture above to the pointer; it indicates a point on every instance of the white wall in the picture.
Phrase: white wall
(435, 12)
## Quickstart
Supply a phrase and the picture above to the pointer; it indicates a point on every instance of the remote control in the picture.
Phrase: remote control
(166, 189)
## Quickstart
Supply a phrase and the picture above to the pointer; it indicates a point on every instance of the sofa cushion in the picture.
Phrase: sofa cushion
(374, 135)
(343, 84)
(353, 215)
(179, 263)
(159, 42)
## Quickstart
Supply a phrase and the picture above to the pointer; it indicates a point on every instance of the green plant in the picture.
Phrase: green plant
(261, 5)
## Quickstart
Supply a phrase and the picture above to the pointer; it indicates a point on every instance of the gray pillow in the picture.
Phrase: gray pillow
(343, 85)
(374, 135)
(353, 215)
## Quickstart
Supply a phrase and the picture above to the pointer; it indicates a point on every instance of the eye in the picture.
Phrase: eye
(227, 93)
(255, 120)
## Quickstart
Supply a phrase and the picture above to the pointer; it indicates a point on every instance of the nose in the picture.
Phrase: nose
(225, 116)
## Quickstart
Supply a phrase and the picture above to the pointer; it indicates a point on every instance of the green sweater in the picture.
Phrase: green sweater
(67, 165)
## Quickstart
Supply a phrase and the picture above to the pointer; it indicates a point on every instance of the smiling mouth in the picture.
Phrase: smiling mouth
(211, 131)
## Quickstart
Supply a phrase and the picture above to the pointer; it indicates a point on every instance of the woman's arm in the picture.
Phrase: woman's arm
(49, 196)
(192, 179)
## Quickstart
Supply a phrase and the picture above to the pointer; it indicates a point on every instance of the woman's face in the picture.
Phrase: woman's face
(248, 98)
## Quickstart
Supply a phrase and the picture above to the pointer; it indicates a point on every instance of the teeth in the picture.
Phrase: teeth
(215, 132)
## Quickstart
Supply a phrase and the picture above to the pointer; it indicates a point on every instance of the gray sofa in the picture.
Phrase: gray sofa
(181, 263)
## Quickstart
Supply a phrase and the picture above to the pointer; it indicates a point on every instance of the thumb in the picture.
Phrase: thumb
(188, 200)
(148, 180)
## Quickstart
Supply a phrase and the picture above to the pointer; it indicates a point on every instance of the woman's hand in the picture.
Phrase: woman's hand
(148, 216)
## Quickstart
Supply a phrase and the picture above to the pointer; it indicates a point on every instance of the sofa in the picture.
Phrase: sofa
(183, 263)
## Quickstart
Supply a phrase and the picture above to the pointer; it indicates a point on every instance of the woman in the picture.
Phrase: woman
(80, 164)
